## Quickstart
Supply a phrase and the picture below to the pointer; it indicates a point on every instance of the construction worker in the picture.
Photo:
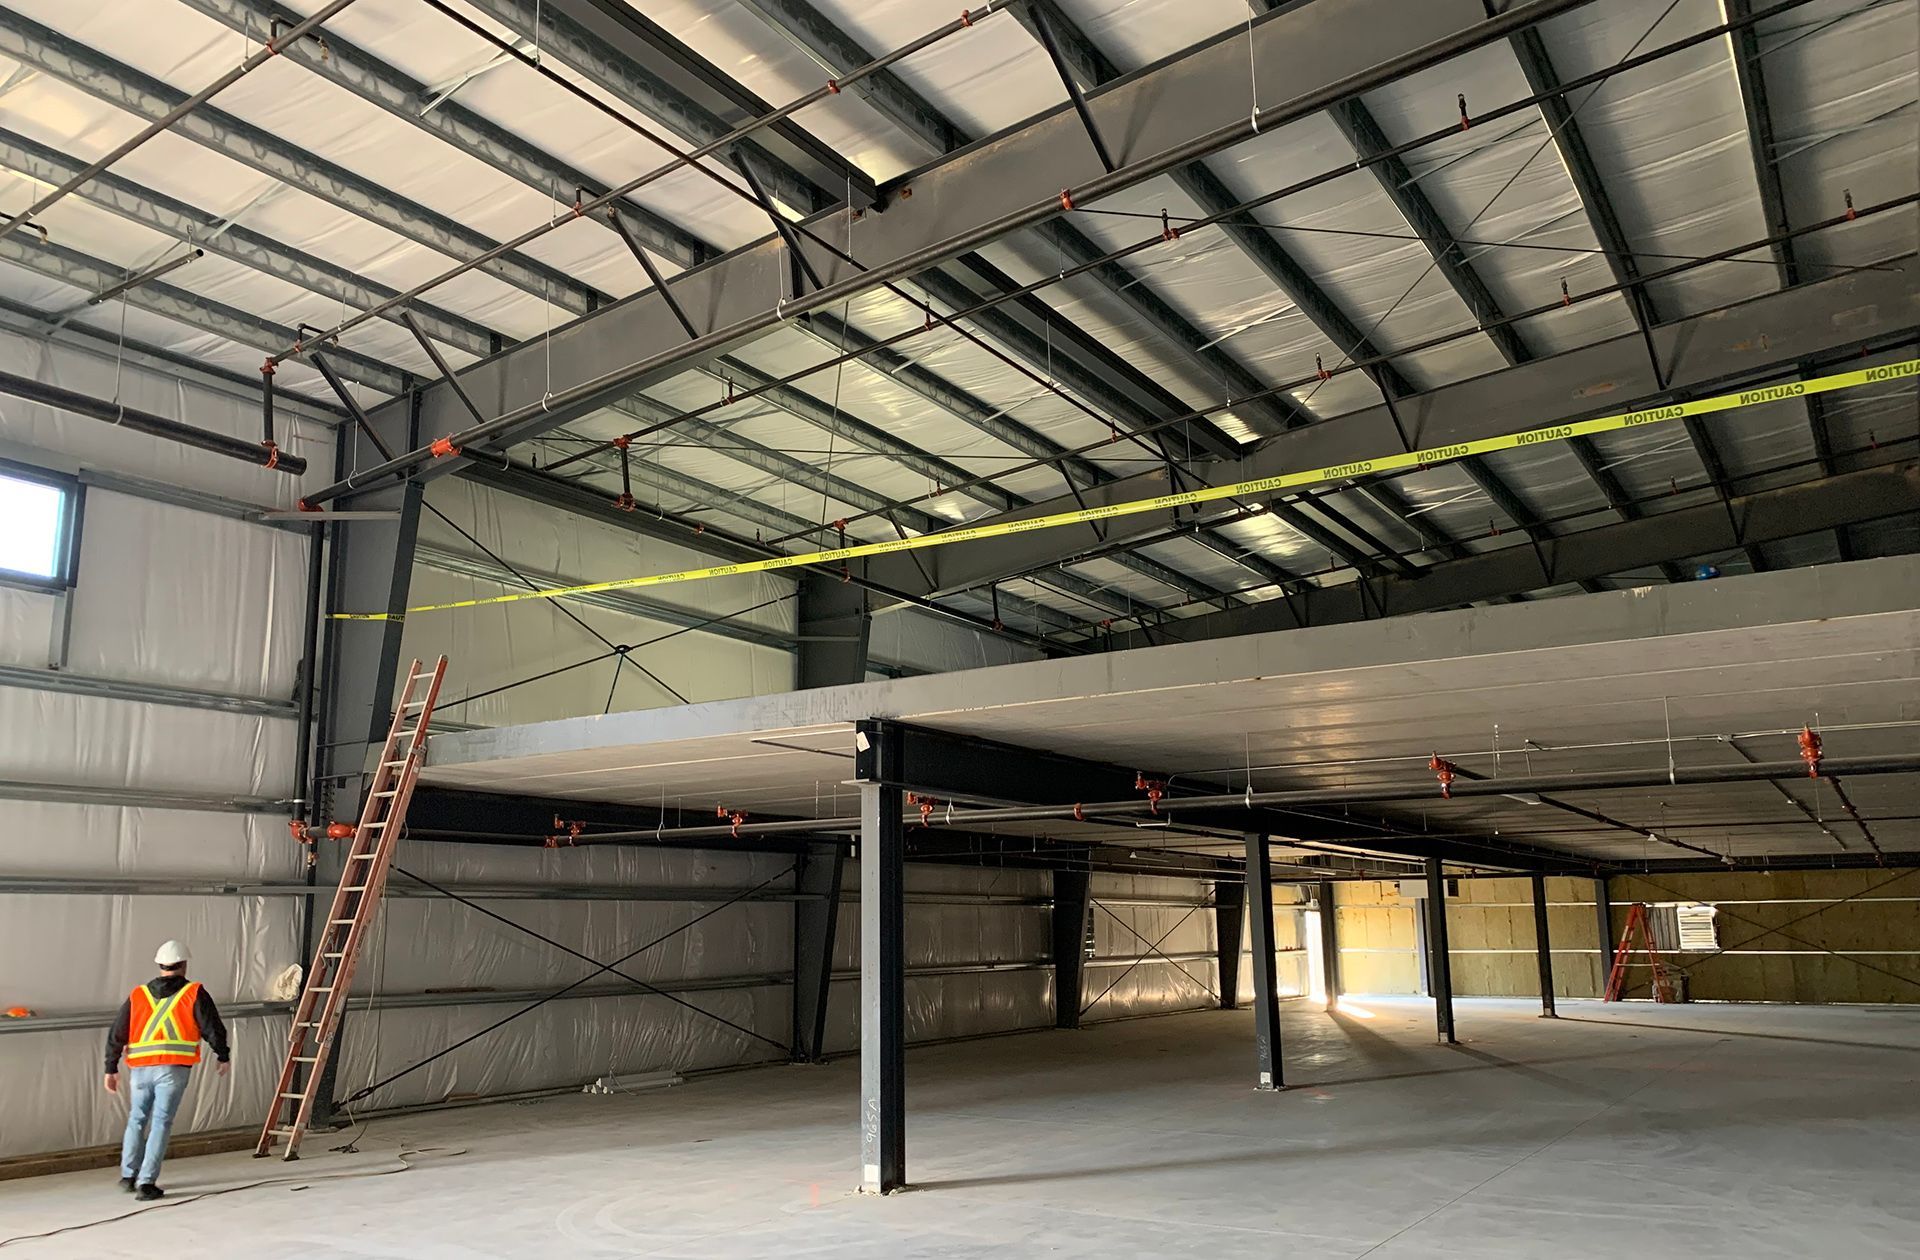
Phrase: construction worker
(159, 1028)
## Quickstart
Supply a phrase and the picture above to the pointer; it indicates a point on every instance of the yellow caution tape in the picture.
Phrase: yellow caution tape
(1263, 485)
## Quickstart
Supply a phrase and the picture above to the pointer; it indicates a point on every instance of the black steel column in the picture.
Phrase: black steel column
(1072, 904)
(1440, 964)
(835, 625)
(1229, 918)
(883, 984)
(1603, 923)
(816, 917)
(1543, 945)
(1266, 984)
(1329, 946)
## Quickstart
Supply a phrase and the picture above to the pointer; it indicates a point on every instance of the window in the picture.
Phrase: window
(39, 526)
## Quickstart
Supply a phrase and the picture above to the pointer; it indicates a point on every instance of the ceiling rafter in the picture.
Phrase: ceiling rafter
(1212, 197)
(146, 97)
(1751, 77)
(346, 65)
(835, 51)
(94, 275)
(1363, 133)
(569, 41)
(1570, 143)
(235, 242)
(372, 79)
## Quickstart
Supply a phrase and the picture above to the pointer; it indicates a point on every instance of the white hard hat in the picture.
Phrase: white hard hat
(172, 954)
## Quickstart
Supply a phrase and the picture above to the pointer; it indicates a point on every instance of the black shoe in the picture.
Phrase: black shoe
(126, 1183)
(149, 1192)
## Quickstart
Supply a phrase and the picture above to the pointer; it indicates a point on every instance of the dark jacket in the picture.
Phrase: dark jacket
(205, 1013)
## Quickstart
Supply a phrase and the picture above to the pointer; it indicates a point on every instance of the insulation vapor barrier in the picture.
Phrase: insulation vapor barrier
(165, 596)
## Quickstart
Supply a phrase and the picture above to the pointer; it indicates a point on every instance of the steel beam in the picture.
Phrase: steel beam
(815, 920)
(1563, 127)
(1229, 926)
(385, 86)
(1178, 337)
(1603, 922)
(560, 37)
(1269, 1061)
(371, 571)
(1542, 944)
(174, 218)
(1696, 356)
(1439, 957)
(346, 65)
(1357, 124)
(835, 52)
(646, 47)
(835, 623)
(144, 96)
(89, 274)
(1068, 921)
(1880, 493)
(1330, 942)
(140, 798)
(883, 998)
(1169, 116)
(1751, 76)
(968, 768)
(1364, 134)
(838, 52)
(65, 681)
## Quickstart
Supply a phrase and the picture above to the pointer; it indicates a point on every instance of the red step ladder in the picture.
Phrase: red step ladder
(323, 998)
(1617, 977)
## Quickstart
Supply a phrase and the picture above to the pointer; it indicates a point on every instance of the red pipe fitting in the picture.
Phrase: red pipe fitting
(1156, 790)
(1810, 751)
(304, 834)
(1444, 771)
(443, 447)
(926, 804)
(734, 816)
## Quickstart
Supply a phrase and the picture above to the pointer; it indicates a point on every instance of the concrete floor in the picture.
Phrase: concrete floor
(1635, 1130)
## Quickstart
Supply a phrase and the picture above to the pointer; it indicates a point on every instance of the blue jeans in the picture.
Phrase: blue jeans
(153, 1095)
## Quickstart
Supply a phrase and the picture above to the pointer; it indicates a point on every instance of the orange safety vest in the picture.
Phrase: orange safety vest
(163, 1031)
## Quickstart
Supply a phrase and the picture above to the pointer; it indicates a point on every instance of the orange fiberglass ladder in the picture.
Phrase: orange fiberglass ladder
(323, 998)
(1623, 955)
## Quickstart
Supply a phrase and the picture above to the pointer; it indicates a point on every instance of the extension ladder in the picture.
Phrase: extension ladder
(363, 878)
(1617, 977)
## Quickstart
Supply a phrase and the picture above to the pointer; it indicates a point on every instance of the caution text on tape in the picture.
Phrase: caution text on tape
(1306, 477)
